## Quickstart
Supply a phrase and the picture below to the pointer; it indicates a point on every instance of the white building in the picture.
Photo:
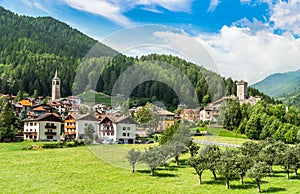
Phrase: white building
(76, 123)
(43, 127)
(121, 129)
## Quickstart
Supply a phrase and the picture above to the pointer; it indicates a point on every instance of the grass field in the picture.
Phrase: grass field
(222, 136)
(103, 169)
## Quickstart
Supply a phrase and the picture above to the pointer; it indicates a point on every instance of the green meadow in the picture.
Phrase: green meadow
(103, 169)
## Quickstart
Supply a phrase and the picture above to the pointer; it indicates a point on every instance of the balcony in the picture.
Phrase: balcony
(49, 126)
(50, 133)
(30, 133)
(70, 126)
(70, 132)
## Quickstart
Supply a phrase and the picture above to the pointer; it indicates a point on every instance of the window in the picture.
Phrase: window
(107, 134)
(124, 134)
(128, 134)
(128, 128)
(34, 124)
(103, 134)
(112, 133)
(31, 124)
(124, 128)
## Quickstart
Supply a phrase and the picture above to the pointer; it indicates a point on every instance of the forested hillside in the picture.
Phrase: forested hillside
(283, 86)
(32, 48)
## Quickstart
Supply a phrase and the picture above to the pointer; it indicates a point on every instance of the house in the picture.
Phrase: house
(75, 99)
(122, 129)
(61, 105)
(191, 115)
(43, 127)
(74, 125)
(166, 119)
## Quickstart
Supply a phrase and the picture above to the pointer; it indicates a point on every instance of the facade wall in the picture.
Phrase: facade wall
(126, 132)
(31, 130)
(81, 124)
(36, 130)
(49, 133)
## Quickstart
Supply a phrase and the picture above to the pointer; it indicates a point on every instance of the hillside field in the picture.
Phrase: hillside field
(88, 170)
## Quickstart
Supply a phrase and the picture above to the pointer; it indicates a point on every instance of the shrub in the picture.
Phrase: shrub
(70, 144)
(51, 145)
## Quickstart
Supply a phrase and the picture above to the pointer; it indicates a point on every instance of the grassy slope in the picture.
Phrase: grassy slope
(78, 170)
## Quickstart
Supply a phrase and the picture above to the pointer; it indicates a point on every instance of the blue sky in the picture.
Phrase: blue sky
(245, 39)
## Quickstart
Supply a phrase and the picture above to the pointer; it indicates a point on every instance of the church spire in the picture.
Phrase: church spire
(55, 76)
(55, 87)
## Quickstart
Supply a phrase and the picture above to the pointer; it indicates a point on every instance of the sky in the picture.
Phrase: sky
(242, 39)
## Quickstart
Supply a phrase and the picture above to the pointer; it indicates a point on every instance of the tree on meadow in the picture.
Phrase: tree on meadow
(199, 163)
(226, 166)
(133, 156)
(258, 171)
(212, 154)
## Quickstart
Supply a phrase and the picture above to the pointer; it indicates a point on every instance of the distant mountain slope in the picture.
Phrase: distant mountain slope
(280, 84)
(32, 48)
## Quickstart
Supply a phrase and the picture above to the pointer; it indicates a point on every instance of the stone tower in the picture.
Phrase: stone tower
(242, 90)
(55, 87)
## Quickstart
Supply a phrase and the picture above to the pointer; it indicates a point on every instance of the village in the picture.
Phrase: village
(62, 118)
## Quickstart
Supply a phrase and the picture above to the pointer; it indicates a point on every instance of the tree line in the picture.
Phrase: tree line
(253, 159)
(262, 120)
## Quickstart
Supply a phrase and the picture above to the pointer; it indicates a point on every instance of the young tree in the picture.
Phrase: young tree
(180, 142)
(258, 171)
(152, 158)
(199, 163)
(212, 154)
(270, 152)
(226, 166)
(133, 156)
(89, 131)
(288, 160)
(296, 151)
(242, 165)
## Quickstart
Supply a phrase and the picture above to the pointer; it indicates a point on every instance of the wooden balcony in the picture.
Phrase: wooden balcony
(50, 133)
(70, 126)
(70, 132)
(70, 121)
(50, 126)
(30, 133)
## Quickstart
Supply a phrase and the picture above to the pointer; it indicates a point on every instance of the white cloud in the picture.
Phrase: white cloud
(114, 9)
(38, 5)
(213, 4)
(241, 54)
(286, 16)
(171, 5)
(107, 9)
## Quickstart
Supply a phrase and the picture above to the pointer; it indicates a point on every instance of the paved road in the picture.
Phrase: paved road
(207, 142)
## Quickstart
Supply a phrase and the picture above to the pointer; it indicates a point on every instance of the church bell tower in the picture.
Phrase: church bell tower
(55, 87)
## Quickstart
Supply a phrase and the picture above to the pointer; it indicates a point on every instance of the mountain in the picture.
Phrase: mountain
(32, 48)
(280, 84)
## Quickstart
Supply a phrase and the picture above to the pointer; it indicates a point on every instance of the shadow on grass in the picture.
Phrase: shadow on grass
(273, 190)
(276, 175)
(156, 174)
(243, 186)
(219, 181)
(297, 177)
(168, 168)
